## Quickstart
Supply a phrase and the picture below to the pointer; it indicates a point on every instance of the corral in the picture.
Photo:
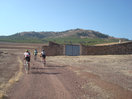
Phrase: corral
(54, 49)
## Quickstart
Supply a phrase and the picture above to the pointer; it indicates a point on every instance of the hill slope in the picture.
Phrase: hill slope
(70, 36)
(73, 32)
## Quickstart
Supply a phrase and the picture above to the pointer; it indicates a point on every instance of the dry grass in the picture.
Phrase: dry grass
(108, 76)
(15, 78)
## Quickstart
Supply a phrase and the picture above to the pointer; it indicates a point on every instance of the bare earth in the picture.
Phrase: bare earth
(65, 77)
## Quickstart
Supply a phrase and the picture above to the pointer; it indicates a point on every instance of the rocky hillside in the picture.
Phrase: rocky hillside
(78, 35)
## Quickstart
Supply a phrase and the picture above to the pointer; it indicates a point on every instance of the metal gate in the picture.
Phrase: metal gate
(72, 50)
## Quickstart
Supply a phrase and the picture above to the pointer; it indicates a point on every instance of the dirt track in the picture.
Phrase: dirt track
(50, 82)
(61, 81)
(80, 77)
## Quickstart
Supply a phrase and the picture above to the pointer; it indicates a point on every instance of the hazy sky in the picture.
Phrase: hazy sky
(112, 17)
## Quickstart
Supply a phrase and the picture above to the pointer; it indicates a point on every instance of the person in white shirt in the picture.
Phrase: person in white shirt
(27, 57)
(43, 55)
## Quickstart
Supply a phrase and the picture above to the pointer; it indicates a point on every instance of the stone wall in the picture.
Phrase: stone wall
(53, 49)
(123, 48)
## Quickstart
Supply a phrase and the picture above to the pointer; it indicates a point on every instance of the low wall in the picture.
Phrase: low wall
(123, 48)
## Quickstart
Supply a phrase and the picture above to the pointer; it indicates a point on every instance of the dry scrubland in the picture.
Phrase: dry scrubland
(8, 68)
(106, 76)
(11, 64)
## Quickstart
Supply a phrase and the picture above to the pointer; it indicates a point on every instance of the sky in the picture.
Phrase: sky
(111, 17)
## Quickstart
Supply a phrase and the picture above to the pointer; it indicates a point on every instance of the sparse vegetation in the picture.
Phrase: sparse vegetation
(85, 41)
(77, 36)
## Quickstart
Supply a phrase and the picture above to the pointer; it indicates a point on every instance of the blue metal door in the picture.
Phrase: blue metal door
(76, 50)
(72, 50)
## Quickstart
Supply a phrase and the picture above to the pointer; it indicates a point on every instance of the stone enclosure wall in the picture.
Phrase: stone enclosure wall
(123, 48)
(54, 49)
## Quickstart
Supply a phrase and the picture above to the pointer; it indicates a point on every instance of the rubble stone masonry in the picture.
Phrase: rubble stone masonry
(54, 49)
(116, 49)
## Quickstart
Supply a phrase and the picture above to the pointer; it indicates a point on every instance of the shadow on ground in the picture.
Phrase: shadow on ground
(47, 73)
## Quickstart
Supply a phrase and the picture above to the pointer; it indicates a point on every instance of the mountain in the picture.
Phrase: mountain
(73, 35)
(79, 33)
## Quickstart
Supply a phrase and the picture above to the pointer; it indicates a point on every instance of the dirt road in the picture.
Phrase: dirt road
(65, 77)
(50, 82)
(61, 81)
